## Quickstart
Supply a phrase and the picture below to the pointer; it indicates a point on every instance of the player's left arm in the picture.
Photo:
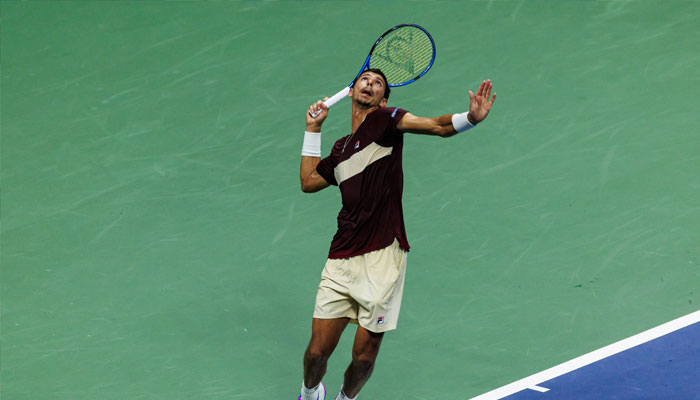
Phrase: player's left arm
(444, 126)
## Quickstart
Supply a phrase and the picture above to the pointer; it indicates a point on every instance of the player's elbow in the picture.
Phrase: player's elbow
(307, 186)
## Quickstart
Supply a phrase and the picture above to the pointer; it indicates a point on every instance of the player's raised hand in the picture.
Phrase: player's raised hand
(315, 123)
(479, 103)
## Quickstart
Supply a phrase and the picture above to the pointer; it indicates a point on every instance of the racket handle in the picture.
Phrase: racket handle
(331, 102)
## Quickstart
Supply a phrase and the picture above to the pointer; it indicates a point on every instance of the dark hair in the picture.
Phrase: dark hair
(387, 89)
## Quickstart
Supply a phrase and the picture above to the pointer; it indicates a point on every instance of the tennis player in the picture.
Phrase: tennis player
(363, 278)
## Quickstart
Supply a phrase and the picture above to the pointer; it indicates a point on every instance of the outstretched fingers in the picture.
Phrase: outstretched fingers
(484, 92)
(487, 89)
(480, 91)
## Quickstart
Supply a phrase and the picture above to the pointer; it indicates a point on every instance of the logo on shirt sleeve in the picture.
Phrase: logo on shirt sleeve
(357, 145)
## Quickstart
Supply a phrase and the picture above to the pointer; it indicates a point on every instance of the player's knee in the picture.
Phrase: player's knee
(364, 356)
(317, 353)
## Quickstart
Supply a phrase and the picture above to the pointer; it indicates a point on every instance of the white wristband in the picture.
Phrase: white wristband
(312, 144)
(461, 123)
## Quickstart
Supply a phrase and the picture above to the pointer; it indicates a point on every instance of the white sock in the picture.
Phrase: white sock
(309, 394)
(343, 396)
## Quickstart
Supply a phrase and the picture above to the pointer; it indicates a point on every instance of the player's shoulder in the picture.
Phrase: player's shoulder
(389, 112)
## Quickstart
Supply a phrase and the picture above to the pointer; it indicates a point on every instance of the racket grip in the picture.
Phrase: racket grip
(332, 101)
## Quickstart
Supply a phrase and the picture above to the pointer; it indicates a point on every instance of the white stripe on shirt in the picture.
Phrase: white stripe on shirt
(359, 161)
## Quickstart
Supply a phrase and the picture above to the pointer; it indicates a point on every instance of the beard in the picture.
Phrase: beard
(364, 103)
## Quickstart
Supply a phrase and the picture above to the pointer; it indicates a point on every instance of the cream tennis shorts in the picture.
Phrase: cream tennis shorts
(365, 288)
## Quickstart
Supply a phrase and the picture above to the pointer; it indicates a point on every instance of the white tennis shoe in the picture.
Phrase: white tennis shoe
(320, 394)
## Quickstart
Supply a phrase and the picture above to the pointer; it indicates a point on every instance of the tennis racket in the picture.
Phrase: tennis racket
(404, 53)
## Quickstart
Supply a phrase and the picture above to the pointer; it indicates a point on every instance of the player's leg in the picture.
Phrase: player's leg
(333, 311)
(378, 290)
(325, 334)
(364, 355)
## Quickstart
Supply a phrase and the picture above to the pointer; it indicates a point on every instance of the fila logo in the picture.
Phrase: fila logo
(357, 145)
(380, 320)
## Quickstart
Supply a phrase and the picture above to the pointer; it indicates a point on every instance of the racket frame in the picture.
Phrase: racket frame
(343, 93)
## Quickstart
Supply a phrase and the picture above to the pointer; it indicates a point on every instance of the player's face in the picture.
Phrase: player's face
(368, 91)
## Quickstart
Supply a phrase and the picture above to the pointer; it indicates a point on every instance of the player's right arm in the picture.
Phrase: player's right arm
(311, 181)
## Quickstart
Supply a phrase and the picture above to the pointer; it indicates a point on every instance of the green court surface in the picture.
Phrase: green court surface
(156, 243)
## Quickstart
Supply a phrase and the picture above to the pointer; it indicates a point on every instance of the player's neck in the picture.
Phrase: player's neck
(359, 113)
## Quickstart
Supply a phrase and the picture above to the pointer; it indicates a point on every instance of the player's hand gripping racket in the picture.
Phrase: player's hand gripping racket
(404, 53)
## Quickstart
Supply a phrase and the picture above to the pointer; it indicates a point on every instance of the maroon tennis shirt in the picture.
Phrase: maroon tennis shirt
(366, 166)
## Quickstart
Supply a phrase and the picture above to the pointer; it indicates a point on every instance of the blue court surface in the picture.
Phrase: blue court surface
(661, 363)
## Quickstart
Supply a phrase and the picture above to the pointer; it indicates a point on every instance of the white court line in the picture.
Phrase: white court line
(533, 381)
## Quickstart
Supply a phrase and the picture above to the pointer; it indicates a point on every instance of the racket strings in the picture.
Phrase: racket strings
(403, 54)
